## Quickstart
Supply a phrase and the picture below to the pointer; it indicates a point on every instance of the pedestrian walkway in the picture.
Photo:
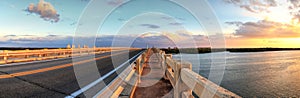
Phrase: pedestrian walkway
(152, 84)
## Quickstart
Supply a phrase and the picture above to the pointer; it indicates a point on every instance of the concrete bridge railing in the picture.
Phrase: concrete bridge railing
(180, 75)
(185, 81)
(34, 55)
(123, 86)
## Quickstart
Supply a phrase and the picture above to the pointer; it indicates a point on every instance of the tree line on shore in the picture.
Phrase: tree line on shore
(176, 50)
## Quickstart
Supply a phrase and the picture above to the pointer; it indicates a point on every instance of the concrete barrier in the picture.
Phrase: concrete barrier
(43, 54)
(123, 83)
(185, 81)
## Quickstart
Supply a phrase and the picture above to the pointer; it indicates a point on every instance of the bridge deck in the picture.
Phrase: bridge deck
(152, 84)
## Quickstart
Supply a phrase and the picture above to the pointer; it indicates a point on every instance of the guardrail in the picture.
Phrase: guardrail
(185, 81)
(127, 78)
(33, 55)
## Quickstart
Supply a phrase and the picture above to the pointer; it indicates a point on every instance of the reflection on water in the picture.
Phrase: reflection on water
(254, 74)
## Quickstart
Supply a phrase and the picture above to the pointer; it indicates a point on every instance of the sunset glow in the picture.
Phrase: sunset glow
(245, 23)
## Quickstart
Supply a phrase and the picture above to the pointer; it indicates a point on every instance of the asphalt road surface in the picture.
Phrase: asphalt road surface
(56, 78)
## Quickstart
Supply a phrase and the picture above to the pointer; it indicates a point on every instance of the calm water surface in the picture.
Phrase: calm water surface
(254, 74)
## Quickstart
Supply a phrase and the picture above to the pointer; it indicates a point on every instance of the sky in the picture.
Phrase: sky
(160, 23)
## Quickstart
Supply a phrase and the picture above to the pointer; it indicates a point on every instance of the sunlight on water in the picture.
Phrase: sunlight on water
(254, 74)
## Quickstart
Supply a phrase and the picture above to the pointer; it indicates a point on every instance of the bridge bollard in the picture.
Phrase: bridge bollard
(181, 90)
(45, 54)
(58, 52)
(5, 57)
(40, 54)
(63, 53)
(162, 58)
(80, 52)
(138, 65)
(145, 57)
(71, 52)
(26, 53)
(165, 65)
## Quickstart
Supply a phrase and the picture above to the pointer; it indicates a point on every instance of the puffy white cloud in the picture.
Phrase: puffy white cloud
(45, 10)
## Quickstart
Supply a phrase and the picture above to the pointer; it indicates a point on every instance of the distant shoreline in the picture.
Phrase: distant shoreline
(181, 50)
(209, 50)
(24, 48)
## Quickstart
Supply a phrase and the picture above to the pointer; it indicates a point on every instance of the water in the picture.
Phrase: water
(254, 74)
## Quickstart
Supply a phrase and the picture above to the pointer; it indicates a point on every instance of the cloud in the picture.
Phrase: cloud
(175, 23)
(295, 9)
(162, 39)
(254, 6)
(9, 36)
(115, 2)
(73, 23)
(166, 18)
(170, 18)
(297, 17)
(52, 35)
(25, 38)
(267, 29)
(258, 6)
(110, 2)
(236, 23)
(12, 35)
(122, 19)
(295, 3)
(45, 10)
(35, 41)
(177, 39)
(152, 26)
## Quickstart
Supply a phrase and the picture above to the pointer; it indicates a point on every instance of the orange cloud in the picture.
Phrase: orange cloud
(266, 29)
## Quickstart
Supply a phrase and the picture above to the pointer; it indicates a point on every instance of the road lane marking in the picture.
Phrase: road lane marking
(52, 68)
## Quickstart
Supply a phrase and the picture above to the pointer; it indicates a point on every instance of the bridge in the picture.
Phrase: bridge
(138, 73)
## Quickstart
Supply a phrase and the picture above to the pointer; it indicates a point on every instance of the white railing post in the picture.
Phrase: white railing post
(161, 58)
(71, 52)
(59, 52)
(181, 90)
(45, 52)
(26, 53)
(5, 57)
(176, 77)
(166, 67)
(40, 54)
(138, 66)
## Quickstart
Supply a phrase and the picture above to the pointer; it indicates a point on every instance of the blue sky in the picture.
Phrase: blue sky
(19, 22)
(23, 24)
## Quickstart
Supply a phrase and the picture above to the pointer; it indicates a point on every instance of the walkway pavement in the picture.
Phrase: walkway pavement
(152, 84)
